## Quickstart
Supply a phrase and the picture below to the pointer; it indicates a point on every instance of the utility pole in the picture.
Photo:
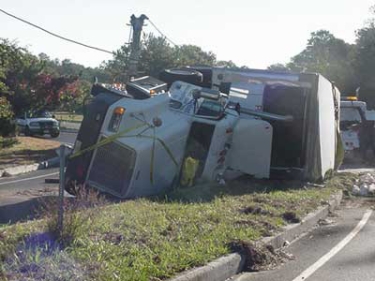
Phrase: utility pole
(135, 47)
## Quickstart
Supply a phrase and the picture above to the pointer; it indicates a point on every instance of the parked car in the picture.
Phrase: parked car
(38, 123)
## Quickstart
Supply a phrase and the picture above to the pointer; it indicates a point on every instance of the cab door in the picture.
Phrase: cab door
(250, 152)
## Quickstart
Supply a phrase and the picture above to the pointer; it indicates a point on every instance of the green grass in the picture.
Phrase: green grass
(68, 117)
(153, 239)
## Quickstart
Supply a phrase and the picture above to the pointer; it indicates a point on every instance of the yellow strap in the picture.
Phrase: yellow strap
(105, 141)
(121, 134)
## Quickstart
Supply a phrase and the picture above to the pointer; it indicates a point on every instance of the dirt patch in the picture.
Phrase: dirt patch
(291, 217)
(259, 258)
(28, 150)
(255, 210)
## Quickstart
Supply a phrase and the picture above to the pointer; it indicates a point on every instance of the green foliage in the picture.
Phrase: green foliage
(7, 125)
(24, 83)
(365, 61)
(74, 103)
(7, 142)
(227, 64)
(279, 67)
(194, 55)
(156, 55)
(331, 57)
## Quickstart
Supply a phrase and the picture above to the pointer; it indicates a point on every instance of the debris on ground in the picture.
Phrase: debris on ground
(326, 221)
(291, 217)
(255, 210)
(365, 185)
(259, 258)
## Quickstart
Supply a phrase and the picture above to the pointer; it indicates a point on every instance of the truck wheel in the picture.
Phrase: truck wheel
(28, 132)
(186, 75)
(55, 134)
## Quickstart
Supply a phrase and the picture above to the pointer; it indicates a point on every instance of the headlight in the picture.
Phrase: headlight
(34, 124)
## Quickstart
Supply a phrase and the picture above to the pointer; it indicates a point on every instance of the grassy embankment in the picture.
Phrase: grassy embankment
(68, 117)
(154, 239)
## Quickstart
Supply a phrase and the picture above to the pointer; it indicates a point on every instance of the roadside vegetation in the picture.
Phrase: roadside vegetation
(68, 117)
(156, 238)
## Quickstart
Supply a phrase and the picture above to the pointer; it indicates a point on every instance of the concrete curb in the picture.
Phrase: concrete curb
(232, 264)
(22, 169)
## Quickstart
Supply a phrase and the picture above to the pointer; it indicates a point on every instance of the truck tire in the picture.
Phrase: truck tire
(186, 75)
(55, 134)
(207, 75)
(28, 132)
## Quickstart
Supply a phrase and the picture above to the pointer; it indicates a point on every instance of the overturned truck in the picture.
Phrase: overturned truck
(260, 123)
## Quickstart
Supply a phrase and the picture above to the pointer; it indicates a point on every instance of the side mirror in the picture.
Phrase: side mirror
(53, 116)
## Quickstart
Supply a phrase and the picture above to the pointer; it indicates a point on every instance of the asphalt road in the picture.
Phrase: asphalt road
(28, 181)
(64, 138)
(35, 180)
(319, 255)
(20, 195)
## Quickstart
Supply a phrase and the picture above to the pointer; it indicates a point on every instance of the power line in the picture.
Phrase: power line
(162, 33)
(56, 35)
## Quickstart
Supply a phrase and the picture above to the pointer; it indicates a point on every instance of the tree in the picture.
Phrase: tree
(156, 55)
(6, 116)
(279, 67)
(24, 83)
(188, 55)
(329, 56)
(226, 64)
(365, 61)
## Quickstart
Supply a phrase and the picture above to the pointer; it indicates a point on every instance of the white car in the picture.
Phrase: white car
(39, 123)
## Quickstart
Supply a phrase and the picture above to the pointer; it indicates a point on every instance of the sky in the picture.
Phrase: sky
(256, 33)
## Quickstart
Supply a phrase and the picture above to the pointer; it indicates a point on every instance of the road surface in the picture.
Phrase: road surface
(19, 194)
(64, 138)
(35, 180)
(342, 251)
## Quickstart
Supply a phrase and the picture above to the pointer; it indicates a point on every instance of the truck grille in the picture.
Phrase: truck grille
(112, 168)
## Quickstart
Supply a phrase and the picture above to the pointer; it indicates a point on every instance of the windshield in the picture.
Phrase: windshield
(350, 114)
(40, 114)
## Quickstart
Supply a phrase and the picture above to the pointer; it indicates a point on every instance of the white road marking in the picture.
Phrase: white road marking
(32, 178)
(309, 271)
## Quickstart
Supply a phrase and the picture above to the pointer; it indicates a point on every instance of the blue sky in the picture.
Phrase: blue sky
(256, 33)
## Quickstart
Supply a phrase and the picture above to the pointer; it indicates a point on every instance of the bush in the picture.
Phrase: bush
(78, 215)
(7, 124)
(7, 142)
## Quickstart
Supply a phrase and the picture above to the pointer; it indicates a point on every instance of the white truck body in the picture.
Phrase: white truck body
(318, 137)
